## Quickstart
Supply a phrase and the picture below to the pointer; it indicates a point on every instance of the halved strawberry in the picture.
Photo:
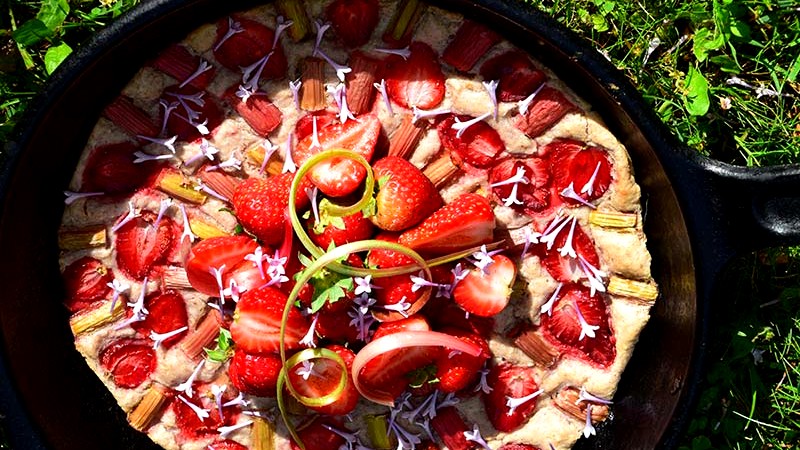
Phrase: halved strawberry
(166, 312)
(405, 195)
(546, 109)
(179, 63)
(191, 426)
(355, 227)
(258, 111)
(305, 124)
(245, 48)
(458, 371)
(479, 145)
(471, 42)
(517, 75)
(317, 435)
(353, 20)
(86, 281)
(486, 293)
(260, 205)
(575, 317)
(417, 81)
(257, 322)
(134, 120)
(181, 121)
(586, 168)
(535, 195)
(510, 384)
(213, 253)
(129, 361)
(564, 268)
(338, 177)
(140, 247)
(255, 373)
(110, 169)
(323, 378)
(466, 222)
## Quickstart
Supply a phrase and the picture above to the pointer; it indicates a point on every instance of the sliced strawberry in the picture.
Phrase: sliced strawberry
(518, 76)
(518, 446)
(443, 313)
(546, 109)
(317, 435)
(140, 247)
(451, 429)
(487, 292)
(356, 227)
(257, 322)
(353, 20)
(258, 111)
(255, 373)
(360, 82)
(129, 361)
(414, 323)
(587, 169)
(576, 316)
(471, 42)
(531, 197)
(126, 115)
(458, 371)
(510, 384)
(305, 124)
(179, 63)
(417, 81)
(405, 196)
(110, 169)
(562, 267)
(166, 312)
(214, 253)
(191, 426)
(260, 205)
(86, 281)
(324, 378)
(189, 114)
(478, 146)
(338, 177)
(247, 47)
(226, 444)
(466, 222)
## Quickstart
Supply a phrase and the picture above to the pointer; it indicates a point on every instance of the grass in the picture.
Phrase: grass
(722, 75)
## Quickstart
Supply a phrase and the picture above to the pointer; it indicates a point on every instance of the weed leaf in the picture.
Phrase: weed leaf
(31, 33)
(55, 56)
(696, 98)
(53, 13)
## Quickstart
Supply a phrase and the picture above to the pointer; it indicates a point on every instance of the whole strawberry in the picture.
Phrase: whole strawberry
(405, 195)
(260, 205)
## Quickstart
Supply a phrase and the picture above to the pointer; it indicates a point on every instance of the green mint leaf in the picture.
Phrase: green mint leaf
(224, 348)
(329, 287)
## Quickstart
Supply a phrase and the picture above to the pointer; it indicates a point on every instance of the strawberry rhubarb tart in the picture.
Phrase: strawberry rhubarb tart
(354, 224)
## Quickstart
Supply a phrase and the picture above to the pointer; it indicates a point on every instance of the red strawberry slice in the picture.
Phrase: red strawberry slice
(140, 247)
(510, 384)
(471, 42)
(134, 120)
(518, 446)
(323, 378)
(587, 169)
(213, 253)
(338, 177)
(226, 444)
(564, 268)
(487, 292)
(443, 313)
(247, 47)
(451, 428)
(356, 228)
(576, 315)
(166, 312)
(353, 20)
(258, 111)
(305, 125)
(479, 145)
(86, 281)
(534, 195)
(466, 222)
(179, 63)
(317, 435)
(418, 81)
(518, 76)
(260, 205)
(191, 426)
(190, 101)
(255, 373)
(110, 169)
(129, 361)
(547, 108)
(406, 195)
(257, 322)
(458, 371)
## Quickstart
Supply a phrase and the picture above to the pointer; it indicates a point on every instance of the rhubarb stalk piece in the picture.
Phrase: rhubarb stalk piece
(178, 186)
(405, 138)
(125, 114)
(96, 316)
(569, 401)
(203, 334)
(360, 92)
(441, 170)
(312, 91)
(275, 164)
(400, 28)
(533, 345)
(179, 63)
(295, 10)
(262, 433)
(471, 42)
(608, 219)
(221, 182)
(94, 236)
(642, 290)
(547, 108)
(149, 408)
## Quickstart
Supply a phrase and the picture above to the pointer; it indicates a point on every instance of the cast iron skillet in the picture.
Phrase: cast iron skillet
(698, 214)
